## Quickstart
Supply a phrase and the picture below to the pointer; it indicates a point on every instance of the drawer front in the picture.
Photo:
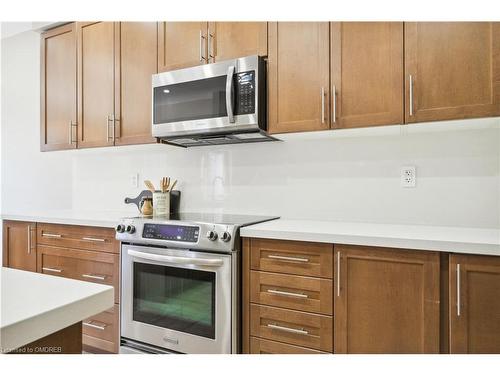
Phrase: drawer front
(293, 257)
(292, 327)
(78, 237)
(292, 292)
(261, 346)
(92, 266)
(101, 331)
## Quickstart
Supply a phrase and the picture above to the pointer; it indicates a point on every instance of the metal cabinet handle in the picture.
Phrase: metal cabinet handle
(287, 329)
(202, 38)
(116, 120)
(29, 239)
(288, 294)
(411, 94)
(94, 277)
(211, 42)
(322, 105)
(50, 235)
(291, 259)
(229, 93)
(334, 102)
(91, 325)
(110, 118)
(338, 274)
(458, 289)
(51, 269)
(71, 126)
(93, 239)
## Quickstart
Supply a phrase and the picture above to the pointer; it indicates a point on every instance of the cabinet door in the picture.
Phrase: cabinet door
(367, 74)
(474, 304)
(181, 45)
(229, 40)
(58, 89)
(386, 301)
(95, 84)
(136, 59)
(452, 70)
(299, 76)
(19, 245)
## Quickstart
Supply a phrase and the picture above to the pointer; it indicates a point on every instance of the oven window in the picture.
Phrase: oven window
(176, 298)
(192, 100)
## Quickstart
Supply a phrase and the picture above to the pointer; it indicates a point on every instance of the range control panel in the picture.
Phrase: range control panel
(169, 232)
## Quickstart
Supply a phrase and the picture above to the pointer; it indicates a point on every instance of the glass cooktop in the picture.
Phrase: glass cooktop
(228, 219)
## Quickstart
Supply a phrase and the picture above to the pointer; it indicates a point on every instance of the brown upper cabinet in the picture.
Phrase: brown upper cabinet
(136, 59)
(186, 44)
(366, 73)
(452, 70)
(298, 76)
(474, 304)
(19, 245)
(58, 89)
(386, 300)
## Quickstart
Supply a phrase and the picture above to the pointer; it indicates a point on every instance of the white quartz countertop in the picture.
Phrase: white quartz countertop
(418, 237)
(105, 219)
(34, 305)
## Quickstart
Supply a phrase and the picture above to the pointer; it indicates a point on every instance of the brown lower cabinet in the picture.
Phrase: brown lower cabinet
(19, 245)
(474, 285)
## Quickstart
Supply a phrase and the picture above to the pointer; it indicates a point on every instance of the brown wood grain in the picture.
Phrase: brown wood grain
(318, 292)
(262, 346)
(367, 73)
(319, 328)
(136, 60)
(179, 44)
(58, 114)
(298, 70)
(477, 328)
(108, 339)
(16, 250)
(245, 296)
(96, 83)
(455, 68)
(230, 40)
(389, 301)
(319, 257)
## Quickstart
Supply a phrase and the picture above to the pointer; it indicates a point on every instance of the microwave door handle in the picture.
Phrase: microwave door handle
(210, 262)
(229, 93)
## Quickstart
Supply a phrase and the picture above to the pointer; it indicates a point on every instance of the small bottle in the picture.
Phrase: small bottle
(147, 206)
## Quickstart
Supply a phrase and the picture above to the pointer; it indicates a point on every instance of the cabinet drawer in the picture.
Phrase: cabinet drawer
(101, 331)
(78, 237)
(293, 257)
(102, 268)
(292, 327)
(292, 292)
(261, 346)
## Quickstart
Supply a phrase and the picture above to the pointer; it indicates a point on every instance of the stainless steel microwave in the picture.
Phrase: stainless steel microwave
(218, 103)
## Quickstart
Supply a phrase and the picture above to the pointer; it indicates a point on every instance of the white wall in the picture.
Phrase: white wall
(346, 175)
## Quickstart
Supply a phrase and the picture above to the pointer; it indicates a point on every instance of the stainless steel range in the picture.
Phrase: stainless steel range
(180, 287)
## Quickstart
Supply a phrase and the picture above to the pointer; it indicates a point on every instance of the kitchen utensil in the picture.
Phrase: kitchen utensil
(149, 185)
(173, 185)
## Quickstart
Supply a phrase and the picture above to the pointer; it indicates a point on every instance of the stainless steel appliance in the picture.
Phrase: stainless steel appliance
(218, 103)
(180, 283)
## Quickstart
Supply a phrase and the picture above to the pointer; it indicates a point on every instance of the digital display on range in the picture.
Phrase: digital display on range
(171, 232)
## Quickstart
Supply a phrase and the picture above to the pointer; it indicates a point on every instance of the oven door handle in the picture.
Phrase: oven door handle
(229, 93)
(211, 262)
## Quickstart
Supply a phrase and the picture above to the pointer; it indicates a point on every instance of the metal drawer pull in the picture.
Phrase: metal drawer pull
(89, 324)
(93, 239)
(29, 240)
(288, 294)
(95, 277)
(292, 259)
(286, 329)
(50, 235)
(338, 274)
(334, 99)
(322, 105)
(411, 94)
(51, 269)
(458, 289)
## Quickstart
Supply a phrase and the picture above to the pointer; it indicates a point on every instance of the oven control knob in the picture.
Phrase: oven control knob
(212, 235)
(130, 229)
(120, 228)
(225, 237)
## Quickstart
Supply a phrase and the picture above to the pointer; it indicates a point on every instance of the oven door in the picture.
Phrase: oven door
(208, 99)
(177, 299)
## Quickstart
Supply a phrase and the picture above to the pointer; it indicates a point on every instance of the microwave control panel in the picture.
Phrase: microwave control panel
(169, 232)
(245, 93)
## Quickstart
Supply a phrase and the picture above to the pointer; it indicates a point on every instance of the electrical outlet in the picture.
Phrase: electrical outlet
(408, 177)
(134, 180)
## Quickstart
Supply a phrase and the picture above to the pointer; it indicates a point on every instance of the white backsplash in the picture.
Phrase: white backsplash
(341, 175)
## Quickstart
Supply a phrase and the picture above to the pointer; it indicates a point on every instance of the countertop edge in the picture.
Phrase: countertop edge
(101, 223)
